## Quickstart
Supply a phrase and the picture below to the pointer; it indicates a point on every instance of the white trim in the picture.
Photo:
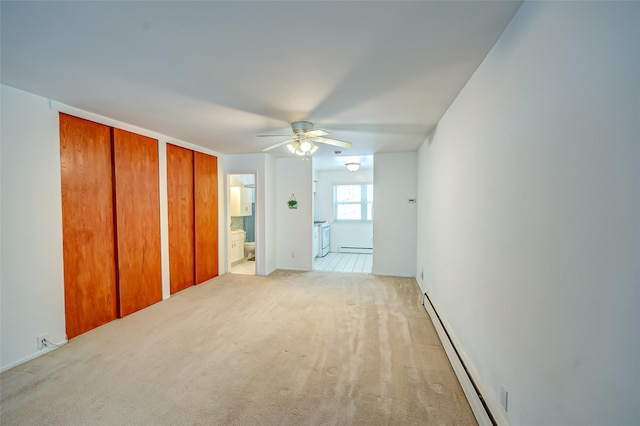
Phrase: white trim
(457, 359)
(33, 356)
(357, 250)
(489, 397)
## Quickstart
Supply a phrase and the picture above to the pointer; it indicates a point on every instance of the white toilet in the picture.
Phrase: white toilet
(249, 249)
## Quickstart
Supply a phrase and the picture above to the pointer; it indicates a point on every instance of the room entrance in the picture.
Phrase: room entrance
(242, 224)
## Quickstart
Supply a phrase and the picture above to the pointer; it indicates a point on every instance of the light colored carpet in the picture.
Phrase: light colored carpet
(294, 348)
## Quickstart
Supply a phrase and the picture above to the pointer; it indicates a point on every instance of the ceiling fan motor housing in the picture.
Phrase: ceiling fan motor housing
(301, 126)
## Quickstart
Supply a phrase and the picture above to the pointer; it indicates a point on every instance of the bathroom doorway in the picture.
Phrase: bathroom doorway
(242, 223)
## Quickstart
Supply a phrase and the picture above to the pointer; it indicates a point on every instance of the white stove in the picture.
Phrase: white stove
(324, 236)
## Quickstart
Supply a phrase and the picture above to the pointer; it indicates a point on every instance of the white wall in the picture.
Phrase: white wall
(271, 216)
(394, 218)
(32, 281)
(294, 226)
(529, 212)
(266, 243)
(32, 277)
(354, 234)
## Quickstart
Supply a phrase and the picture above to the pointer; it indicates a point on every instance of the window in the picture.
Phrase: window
(353, 202)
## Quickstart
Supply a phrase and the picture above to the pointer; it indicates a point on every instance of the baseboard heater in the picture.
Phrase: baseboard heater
(476, 401)
(358, 250)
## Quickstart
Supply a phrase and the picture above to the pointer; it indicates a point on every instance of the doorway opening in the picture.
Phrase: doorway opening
(343, 214)
(242, 233)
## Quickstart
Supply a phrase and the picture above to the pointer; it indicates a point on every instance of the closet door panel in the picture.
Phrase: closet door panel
(137, 205)
(87, 225)
(206, 215)
(181, 217)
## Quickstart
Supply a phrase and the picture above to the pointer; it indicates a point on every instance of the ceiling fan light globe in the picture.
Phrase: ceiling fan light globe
(305, 146)
(314, 148)
(299, 152)
(292, 148)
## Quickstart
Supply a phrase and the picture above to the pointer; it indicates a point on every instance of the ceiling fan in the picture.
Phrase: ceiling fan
(304, 139)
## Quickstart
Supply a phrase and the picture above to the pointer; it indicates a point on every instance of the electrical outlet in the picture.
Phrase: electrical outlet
(504, 397)
(40, 340)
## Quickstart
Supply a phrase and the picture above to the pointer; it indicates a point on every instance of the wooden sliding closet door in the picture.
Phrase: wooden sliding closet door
(87, 225)
(181, 217)
(137, 204)
(206, 215)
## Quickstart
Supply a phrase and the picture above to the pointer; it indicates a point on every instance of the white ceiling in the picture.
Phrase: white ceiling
(379, 74)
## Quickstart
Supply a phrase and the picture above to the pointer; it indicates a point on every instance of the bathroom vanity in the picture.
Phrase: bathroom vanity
(236, 245)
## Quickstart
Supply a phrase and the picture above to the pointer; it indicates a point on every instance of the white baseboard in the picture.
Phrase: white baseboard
(356, 250)
(467, 375)
(32, 356)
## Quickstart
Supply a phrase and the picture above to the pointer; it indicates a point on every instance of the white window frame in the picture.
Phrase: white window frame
(363, 202)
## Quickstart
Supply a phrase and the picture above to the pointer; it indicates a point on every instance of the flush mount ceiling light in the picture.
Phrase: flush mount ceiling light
(352, 167)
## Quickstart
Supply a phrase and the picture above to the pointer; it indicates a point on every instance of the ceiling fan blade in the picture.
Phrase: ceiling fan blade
(279, 144)
(334, 142)
(316, 133)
